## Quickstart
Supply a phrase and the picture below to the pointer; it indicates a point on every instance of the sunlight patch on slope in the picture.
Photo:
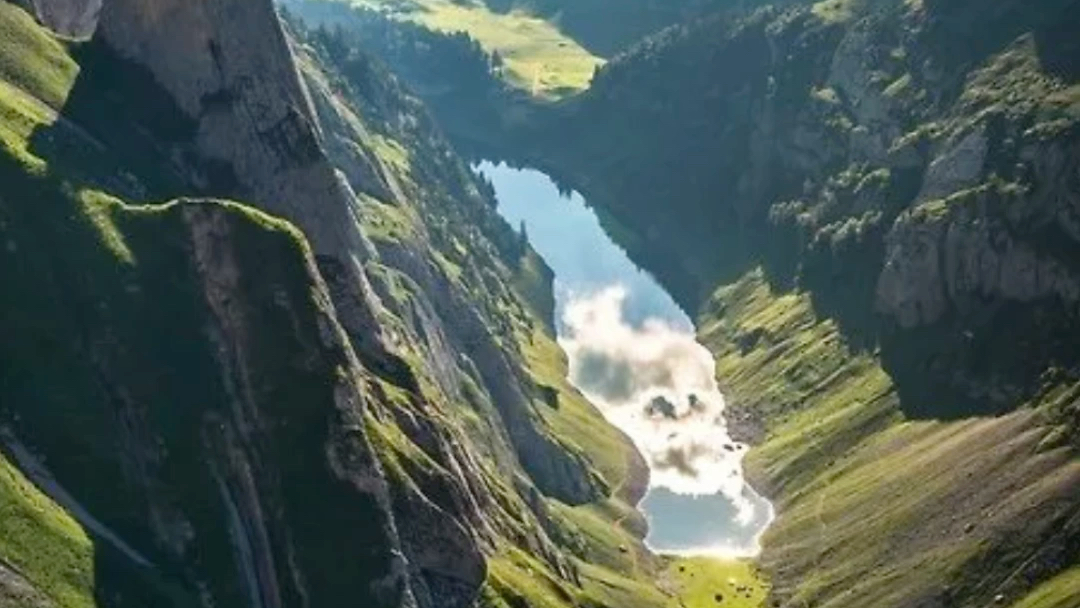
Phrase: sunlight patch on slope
(538, 58)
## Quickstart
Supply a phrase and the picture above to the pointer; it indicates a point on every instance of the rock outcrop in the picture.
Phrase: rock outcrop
(209, 408)
(459, 334)
(228, 67)
(345, 453)
(73, 18)
(951, 262)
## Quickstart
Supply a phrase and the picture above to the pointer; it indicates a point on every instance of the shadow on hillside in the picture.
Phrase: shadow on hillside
(117, 130)
(965, 32)
(60, 282)
(120, 583)
(985, 361)
(1058, 44)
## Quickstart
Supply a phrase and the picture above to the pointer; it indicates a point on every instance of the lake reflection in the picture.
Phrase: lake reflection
(633, 353)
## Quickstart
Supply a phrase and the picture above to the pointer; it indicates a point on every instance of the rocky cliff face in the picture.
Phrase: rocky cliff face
(229, 68)
(206, 483)
(366, 429)
(241, 441)
(447, 310)
(966, 238)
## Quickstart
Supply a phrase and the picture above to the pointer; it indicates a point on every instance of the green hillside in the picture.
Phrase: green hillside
(266, 341)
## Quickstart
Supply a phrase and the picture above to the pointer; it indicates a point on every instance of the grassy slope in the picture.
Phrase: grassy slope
(678, 583)
(702, 582)
(37, 538)
(36, 73)
(836, 11)
(538, 58)
(876, 510)
(41, 542)
(604, 537)
(31, 59)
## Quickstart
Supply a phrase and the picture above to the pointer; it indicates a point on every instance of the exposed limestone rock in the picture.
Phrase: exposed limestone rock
(980, 260)
(974, 237)
(17, 591)
(341, 130)
(74, 18)
(937, 263)
(959, 166)
(851, 75)
(447, 563)
(228, 66)
(910, 287)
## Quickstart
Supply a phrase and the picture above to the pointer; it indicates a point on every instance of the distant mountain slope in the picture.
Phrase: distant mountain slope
(852, 155)
(609, 27)
(873, 205)
(545, 49)
(525, 51)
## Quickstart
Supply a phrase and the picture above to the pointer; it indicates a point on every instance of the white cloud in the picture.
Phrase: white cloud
(623, 369)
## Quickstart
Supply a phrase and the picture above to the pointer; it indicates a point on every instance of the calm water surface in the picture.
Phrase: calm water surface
(633, 352)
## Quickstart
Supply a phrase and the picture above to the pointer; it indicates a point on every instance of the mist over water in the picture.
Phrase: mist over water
(634, 354)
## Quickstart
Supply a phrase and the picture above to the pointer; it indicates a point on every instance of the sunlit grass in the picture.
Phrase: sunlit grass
(43, 542)
(836, 11)
(516, 578)
(598, 527)
(36, 74)
(1062, 591)
(705, 582)
(860, 490)
(392, 152)
(32, 60)
(538, 58)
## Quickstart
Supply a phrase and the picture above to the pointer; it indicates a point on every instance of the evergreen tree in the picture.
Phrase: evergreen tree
(523, 240)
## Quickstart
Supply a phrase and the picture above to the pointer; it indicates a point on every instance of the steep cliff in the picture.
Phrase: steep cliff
(112, 313)
(350, 405)
(228, 68)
